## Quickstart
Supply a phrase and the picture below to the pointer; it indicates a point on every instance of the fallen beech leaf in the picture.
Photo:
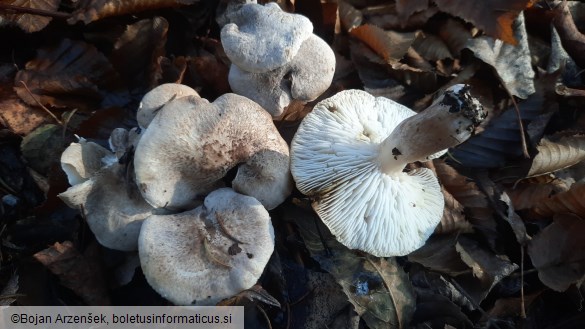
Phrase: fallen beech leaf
(453, 219)
(406, 8)
(255, 293)
(431, 47)
(573, 39)
(390, 45)
(29, 22)
(478, 210)
(75, 272)
(570, 201)
(487, 267)
(21, 118)
(530, 192)
(557, 153)
(349, 16)
(137, 51)
(172, 71)
(42, 147)
(557, 252)
(379, 289)
(9, 292)
(512, 63)
(98, 9)
(427, 282)
(455, 35)
(74, 74)
(387, 17)
(495, 17)
(439, 254)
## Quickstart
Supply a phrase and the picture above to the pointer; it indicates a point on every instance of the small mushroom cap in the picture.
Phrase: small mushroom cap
(202, 256)
(263, 38)
(334, 159)
(81, 160)
(304, 78)
(114, 209)
(155, 99)
(192, 144)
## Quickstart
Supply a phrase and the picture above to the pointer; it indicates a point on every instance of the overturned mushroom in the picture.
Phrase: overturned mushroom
(207, 254)
(349, 154)
(191, 144)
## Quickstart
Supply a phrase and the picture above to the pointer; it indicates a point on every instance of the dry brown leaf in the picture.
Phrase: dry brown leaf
(531, 192)
(76, 272)
(136, 53)
(389, 45)
(512, 63)
(495, 17)
(573, 40)
(558, 252)
(74, 74)
(172, 71)
(406, 8)
(455, 35)
(256, 292)
(29, 22)
(558, 153)
(21, 118)
(349, 16)
(431, 47)
(98, 9)
(570, 201)
(453, 219)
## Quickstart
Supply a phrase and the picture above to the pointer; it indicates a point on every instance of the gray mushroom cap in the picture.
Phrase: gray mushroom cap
(191, 144)
(81, 160)
(154, 100)
(114, 209)
(304, 78)
(263, 38)
(349, 154)
(207, 254)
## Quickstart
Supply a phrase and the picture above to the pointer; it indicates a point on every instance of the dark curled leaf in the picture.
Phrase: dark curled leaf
(136, 53)
(29, 22)
(379, 289)
(501, 140)
(74, 74)
(98, 9)
(558, 252)
(76, 272)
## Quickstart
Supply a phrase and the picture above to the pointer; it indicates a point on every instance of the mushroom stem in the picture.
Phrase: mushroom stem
(448, 122)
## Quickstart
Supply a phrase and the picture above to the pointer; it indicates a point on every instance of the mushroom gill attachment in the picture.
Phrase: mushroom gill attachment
(349, 154)
(191, 144)
(202, 256)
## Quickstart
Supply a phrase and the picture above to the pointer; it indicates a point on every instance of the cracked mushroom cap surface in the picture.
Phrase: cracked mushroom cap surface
(191, 145)
(263, 38)
(154, 100)
(304, 78)
(338, 157)
(202, 256)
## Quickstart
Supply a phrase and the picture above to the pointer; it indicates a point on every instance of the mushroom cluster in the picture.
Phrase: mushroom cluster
(166, 178)
(349, 155)
(275, 56)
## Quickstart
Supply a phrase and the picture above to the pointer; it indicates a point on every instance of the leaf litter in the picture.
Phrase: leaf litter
(508, 252)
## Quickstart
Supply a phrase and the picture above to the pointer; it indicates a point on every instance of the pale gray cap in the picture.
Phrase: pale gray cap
(202, 256)
(153, 101)
(335, 160)
(304, 78)
(112, 205)
(81, 160)
(189, 147)
(263, 38)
